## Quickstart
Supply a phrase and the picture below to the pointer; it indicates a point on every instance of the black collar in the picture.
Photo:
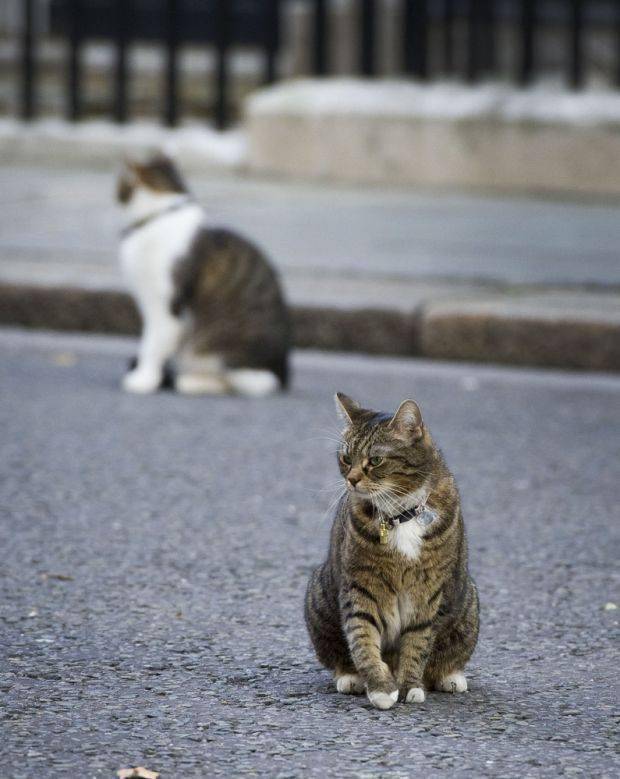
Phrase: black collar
(131, 228)
(405, 516)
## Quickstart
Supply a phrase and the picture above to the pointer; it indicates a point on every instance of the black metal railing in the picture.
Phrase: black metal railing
(224, 24)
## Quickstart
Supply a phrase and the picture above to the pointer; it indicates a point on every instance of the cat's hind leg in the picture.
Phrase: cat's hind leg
(453, 647)
(201, 375)
(254, 383)
(202, 384)
(323, 622)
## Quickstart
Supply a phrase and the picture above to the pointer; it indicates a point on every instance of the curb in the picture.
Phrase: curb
(429, 333)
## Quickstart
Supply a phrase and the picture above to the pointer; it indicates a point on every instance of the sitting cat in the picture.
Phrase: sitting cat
(393, 609)
(208, 298)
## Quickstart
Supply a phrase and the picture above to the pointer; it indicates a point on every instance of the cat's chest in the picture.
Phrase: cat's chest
(402, 613)
(407, 538)
(149, 254)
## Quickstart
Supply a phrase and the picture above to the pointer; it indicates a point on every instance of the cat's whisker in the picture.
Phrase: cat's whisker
(332, 505)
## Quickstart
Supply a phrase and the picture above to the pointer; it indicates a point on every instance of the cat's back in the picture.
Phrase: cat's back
(236, 303)
(218, 255)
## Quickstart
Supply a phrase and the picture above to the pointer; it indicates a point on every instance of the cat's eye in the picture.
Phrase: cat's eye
(346, 459)
(374, 461)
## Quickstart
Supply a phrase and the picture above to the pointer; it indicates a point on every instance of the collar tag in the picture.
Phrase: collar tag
(426, 516)
(422, 514)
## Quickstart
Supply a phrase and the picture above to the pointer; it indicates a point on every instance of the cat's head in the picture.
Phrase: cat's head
(156, 175)
(384, 458)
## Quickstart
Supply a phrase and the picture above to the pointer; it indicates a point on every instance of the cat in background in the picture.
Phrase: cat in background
(393, 610)
(210, 301)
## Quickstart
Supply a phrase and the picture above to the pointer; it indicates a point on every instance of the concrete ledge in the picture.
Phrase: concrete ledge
(485, 338)
(559, 330)
(373, 331)
(446, 135)
(485, 332)
(68, 308)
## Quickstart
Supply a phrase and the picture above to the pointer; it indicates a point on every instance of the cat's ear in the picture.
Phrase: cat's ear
(347, 408)
(406, 424)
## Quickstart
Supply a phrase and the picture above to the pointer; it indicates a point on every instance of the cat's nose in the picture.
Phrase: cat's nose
(353, 478)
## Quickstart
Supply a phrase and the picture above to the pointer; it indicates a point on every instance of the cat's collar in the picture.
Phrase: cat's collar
(421, 513)
(405, 516)
(131, 228)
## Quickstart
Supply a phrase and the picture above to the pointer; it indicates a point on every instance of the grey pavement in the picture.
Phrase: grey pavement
(353, 247)
(156, 550)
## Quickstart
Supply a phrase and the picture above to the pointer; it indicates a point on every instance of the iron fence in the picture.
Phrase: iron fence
(224, 24)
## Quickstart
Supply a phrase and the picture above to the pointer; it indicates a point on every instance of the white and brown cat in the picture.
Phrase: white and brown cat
(210, 302)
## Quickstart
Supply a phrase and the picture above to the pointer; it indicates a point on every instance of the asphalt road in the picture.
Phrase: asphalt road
(155, 553)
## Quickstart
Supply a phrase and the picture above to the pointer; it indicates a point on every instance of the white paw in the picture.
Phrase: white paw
(253, 383)
(201, 384)
(141, 381)
(454, 682)
(383, 700)
(350, 684)
(415, 695)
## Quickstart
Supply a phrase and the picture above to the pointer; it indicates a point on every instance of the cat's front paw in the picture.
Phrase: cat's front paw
(382, 700)
(415, 695)
(454, 682)
(141, 381)
(350, 684)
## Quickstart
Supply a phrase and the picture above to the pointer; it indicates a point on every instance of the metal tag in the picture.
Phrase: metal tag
(426, 516)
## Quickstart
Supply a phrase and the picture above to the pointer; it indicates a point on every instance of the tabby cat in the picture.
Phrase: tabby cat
(208, 297)
(393, 610)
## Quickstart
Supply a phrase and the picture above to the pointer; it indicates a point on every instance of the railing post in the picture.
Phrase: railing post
(528, 22)
(618, 47)
(123, 11)
(473, 41)
(172, 44)
(320, 37)
(271, 20)
(416, 38)
(448, 36)
(222, 37)
(367, 37)
(27, 110)
(487, 36)
(74, 75)
(576, 51)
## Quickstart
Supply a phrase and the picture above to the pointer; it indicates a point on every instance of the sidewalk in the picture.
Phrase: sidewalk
(384, 271)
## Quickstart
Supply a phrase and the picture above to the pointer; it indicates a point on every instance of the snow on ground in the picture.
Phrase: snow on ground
(200, 143)
(546, 102)
(220, 149)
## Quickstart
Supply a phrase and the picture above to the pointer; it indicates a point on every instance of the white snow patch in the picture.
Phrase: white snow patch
(221, 149)
(546, 102)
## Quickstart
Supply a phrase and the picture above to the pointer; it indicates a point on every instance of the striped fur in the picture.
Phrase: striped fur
(382, 616)
(235, 301)
(211, 303)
